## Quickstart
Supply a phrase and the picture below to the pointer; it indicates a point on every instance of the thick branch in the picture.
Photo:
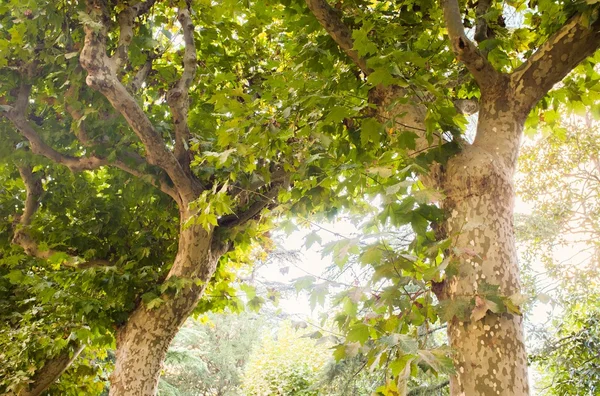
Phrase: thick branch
(38, 146)
(564, 50)
(178, 97)
(466, 51)
(103, 78)
(52, 370)
(17, 116)
(126, 19)
(330, 19)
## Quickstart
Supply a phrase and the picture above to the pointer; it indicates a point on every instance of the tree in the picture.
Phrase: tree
(104, 89)
(325, 127)
(569, 362)
(561, 182)
(401, 50)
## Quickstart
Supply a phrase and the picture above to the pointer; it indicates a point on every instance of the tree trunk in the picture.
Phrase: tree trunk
(51, 370)
(490, 356)
(143, 341)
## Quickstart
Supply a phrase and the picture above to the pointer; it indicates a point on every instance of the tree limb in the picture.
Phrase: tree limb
(330, 19)
(482, 31)
(159, 181)
(178, 97)
(52, 370)
(254, 209)
(466, 51)
(126, 19)
(17, 116)
(564, 50)
(21, 237)
(102, 77)
(141, 75)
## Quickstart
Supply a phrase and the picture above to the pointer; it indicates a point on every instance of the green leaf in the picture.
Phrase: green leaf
(304, 282)
(370, 131)
(311, 239)
(381, 76)
(358, 333)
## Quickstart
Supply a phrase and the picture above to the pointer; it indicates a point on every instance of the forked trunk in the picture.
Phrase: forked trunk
(490, 356)
(143, 341)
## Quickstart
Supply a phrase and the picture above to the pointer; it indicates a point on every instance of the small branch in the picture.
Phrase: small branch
(279, 175)
(178, 97)
(330, 19)
(466, 51)
(140, 77)
(52, 370)
(253, 210)
(560, 54)
(126, 19)
(482, 30)
(427, 390)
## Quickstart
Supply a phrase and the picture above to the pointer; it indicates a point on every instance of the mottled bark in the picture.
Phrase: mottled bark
(52, 370)
(490, 356)
(143, 341)
(561, 53)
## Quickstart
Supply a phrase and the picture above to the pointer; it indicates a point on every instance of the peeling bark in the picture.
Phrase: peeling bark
(143, 341)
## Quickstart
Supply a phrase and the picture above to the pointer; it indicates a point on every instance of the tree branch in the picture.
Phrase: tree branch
(482, 31)
(178, 97)
(126, 19)
(330, 19)
(17, 116)
(254, 209)
(159, 181)
(427, 390)
(466, 51)
(21, 237)
(52, 370)
(141, 76)
(564, 50)
(102, 77)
